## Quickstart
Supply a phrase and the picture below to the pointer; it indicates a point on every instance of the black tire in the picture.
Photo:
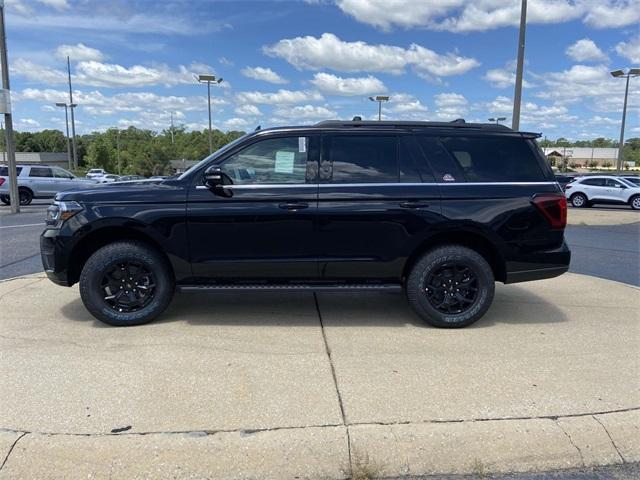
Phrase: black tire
(635, 202)
(450, 261)
(5, 199)
(579, 200)
(26, 196)
(153, 294)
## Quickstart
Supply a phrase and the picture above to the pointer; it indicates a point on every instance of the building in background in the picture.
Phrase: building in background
(584, 156)
(58, 159)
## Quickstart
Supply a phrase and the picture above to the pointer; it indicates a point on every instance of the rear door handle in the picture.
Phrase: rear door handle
(414, 205)
(293, 205)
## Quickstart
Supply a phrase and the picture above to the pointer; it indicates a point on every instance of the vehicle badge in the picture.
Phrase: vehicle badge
(447, 177)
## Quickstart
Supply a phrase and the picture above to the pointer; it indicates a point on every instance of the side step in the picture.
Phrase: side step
(291, 287)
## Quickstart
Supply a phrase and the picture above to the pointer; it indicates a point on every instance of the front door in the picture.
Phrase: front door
(261, 225)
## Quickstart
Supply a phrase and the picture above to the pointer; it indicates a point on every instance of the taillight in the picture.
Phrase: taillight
(2, 180)
(554, 208)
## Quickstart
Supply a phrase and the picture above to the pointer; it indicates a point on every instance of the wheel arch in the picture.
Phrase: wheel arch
(100, 237)
(471, 239)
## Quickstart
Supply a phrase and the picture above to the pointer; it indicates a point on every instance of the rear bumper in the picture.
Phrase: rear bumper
(539, 265)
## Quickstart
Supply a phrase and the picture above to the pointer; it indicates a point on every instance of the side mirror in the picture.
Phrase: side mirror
(215, 179)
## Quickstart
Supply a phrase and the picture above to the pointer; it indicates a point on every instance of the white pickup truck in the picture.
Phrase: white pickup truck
(40, 181)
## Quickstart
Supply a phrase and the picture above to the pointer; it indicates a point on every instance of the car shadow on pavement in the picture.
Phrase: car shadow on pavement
(513, 305)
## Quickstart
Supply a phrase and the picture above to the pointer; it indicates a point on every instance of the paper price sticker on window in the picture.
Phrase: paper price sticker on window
(284, 161)
(302, 144)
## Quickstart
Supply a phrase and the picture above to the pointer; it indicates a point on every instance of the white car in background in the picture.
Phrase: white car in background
(96, 173)
(601, 189)
(108, 178)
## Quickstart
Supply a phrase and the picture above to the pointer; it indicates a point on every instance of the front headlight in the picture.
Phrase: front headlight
(58, 212)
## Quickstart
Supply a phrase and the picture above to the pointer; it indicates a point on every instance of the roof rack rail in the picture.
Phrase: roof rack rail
(457, 123)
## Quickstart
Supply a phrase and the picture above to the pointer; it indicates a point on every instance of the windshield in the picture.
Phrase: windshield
(220, 151)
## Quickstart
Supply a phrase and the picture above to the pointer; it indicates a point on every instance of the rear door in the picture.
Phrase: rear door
(376, 202)
(42, 182)
(594, 188)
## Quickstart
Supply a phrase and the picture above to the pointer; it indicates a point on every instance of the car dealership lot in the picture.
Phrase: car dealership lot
(284, 386)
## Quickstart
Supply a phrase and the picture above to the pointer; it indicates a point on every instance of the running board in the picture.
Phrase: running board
(293, 287)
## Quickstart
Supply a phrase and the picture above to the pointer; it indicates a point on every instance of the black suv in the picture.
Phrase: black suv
(439, 210)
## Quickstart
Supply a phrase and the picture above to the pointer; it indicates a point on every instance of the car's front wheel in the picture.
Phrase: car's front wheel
(579, 200)
(126, 283)
(451, 286)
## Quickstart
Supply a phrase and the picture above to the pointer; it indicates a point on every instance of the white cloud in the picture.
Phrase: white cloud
(78, 52)
(630, 50)
(503, 77)
(264, 74)
(450, 106)
(481, 15)
(27, 124)
(334, 85)
(98, 74)
(237, 123)
(585, 50)
(250, 110)
(329, 51)
(280, 97)
(56, 4)
(303, 113)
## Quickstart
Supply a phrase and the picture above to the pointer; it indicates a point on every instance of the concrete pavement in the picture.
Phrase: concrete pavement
(297, 386)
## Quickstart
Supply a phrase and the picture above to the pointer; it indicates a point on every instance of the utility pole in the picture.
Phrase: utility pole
(517, 97)
(205, 78)
(73, 121)
(8, 120)
(172, 140)
(633, 72)
(66, 118)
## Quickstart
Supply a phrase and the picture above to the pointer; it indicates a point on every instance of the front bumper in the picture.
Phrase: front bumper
(53, 251)
(539, 265)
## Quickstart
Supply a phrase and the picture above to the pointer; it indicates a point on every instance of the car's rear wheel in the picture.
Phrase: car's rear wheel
(26, 196)
(451, 286)
(126, 283)
(579, 200)
(5, 199)
(635, 202)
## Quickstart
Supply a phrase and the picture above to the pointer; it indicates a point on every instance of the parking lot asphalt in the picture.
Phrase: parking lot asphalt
(605, 242)
(303, 386)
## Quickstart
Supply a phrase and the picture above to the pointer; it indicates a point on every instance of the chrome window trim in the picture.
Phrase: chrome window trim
(255, 186)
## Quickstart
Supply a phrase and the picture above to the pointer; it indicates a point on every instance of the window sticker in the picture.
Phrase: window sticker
(447, 177)
(302, 144)
(284, 161)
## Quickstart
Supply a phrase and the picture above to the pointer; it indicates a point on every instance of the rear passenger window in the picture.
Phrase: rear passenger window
(445, 169)
(40, 172)
(594, 182)
(362, 159)
(494, 159)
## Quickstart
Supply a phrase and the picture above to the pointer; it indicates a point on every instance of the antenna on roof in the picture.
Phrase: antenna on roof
(257, 128)
(357, 118)
(458, 120)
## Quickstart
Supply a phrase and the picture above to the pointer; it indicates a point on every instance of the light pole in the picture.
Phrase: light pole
(209, 79)
(73, 121)
(172, 140)
(8, 119)
(66, 119)
(380, 99)
(497, 119)
(633, 72)
(517, 96)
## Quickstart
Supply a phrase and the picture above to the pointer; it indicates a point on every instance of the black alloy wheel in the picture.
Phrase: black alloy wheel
(452, 288)
(128, 286)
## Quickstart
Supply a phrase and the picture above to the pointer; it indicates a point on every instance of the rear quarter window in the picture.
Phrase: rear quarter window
(494, 158)
(4, 171)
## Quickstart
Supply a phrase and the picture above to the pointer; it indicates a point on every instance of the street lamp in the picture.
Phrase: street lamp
(209, 79)
(517, 94)
(497, 119)
(633, 72)
(380, 99)
(66, 119)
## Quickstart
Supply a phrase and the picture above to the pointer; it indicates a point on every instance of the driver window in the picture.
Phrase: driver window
(275, 160)
(59, 173)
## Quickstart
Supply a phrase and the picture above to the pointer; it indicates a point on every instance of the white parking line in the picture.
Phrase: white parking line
(41, 224)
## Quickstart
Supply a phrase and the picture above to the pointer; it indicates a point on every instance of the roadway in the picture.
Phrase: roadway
(610, 251)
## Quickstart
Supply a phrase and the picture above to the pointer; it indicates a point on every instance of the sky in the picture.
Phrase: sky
(300, 62)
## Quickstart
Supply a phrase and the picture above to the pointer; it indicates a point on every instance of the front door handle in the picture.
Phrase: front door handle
(414, 205)
(293, 205)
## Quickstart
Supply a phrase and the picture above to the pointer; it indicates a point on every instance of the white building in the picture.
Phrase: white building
(583, 155)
